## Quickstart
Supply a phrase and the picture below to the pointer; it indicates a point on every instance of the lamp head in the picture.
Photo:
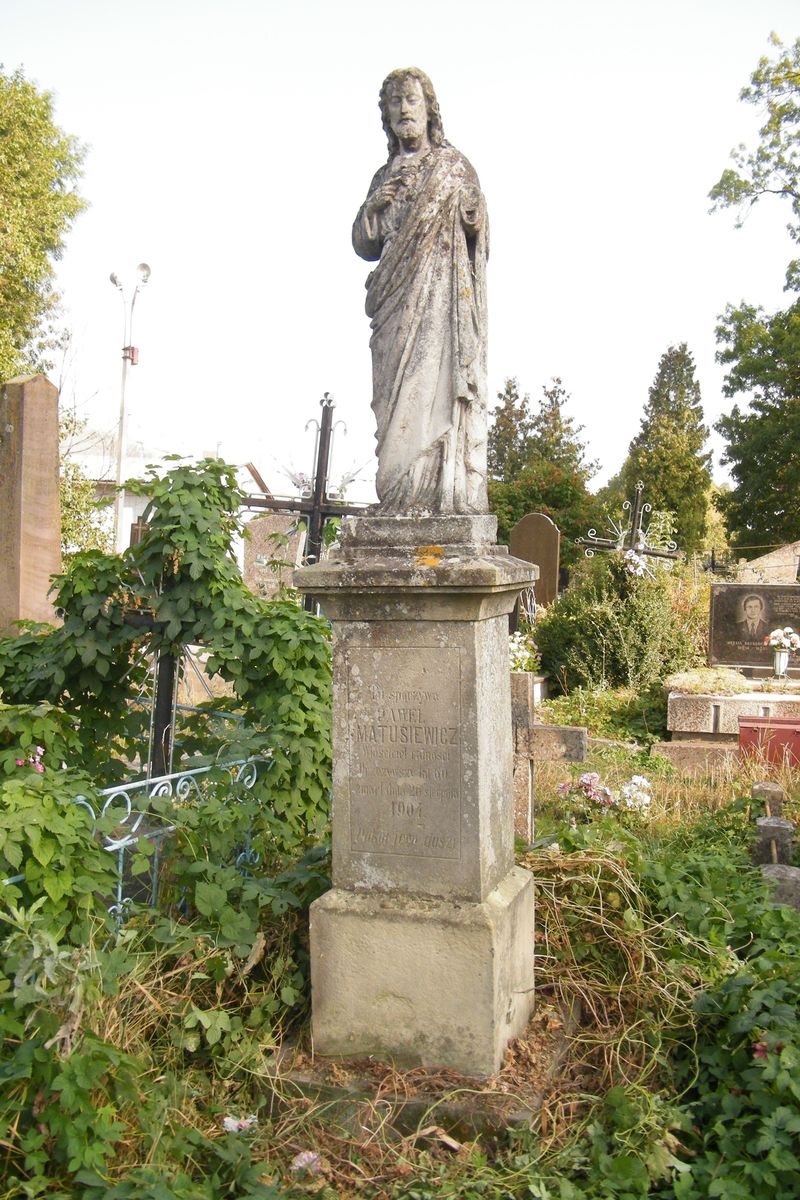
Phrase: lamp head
(143, 271)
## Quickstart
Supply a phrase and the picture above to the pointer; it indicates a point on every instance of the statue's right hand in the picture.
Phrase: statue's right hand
(382, 197)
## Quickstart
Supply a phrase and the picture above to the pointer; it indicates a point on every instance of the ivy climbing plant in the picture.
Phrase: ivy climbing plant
(181, 586)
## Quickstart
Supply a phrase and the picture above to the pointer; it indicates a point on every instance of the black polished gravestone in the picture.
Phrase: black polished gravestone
(742, 615)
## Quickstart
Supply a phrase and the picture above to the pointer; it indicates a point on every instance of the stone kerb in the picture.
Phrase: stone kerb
(719, 715)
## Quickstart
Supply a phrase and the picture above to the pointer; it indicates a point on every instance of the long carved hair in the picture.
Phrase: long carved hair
(435, 130)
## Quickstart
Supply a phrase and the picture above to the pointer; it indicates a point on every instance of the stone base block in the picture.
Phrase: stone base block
(696, 757)
(423, 982)
(784, 883)
(552, 743)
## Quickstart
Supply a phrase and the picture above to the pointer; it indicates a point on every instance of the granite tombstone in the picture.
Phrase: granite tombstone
(536, 538)
(742, 615)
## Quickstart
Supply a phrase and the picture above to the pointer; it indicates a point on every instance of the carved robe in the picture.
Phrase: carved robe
(427, 301)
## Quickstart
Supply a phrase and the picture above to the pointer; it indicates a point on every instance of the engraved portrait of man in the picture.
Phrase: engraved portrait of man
(752, 625)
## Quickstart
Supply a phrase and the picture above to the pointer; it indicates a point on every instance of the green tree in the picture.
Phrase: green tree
(555, 437)
(181, 585)
(773, 168)
(509, 446)
(83, 523)
(537, 463)
(39, 167)
(667, 452)
(761, 351)
(763, 441)
(559, 493)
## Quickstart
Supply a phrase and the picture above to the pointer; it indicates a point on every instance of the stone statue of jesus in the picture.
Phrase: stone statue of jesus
(425, 222)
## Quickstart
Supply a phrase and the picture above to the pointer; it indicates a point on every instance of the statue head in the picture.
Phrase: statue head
(435, 131)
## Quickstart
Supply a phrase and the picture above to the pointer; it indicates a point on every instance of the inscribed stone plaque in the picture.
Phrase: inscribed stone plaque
(404, 730)
(537, 540)
(742, 615)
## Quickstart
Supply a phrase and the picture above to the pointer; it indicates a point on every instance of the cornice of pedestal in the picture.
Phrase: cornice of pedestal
(389, 568)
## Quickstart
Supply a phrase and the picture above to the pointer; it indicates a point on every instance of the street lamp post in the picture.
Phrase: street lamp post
(130, 354)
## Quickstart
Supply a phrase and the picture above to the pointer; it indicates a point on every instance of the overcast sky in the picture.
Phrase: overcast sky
(231, 144)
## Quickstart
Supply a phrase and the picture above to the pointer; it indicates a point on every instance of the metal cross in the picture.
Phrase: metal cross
(315, 511)
(631, 538)
(319, 507)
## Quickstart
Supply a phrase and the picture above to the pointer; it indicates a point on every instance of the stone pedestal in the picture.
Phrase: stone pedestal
(423, 950)
(30, 514)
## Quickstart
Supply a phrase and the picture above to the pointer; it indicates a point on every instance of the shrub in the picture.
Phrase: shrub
(619, 713)
(612, 629)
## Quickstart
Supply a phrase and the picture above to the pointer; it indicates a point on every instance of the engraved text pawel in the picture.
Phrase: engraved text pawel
(404, 731)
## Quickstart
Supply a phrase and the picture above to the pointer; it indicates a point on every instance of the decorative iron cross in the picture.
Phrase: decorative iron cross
(632, 539)
(319, 506)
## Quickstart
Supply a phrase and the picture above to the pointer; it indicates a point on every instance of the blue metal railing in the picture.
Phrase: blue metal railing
(129, 804)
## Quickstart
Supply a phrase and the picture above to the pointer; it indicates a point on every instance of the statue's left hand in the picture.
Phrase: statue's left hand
(472, 208)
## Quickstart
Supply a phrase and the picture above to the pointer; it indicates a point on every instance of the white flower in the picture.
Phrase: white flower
(635, 564)
(636, 794)
(522, 652)
(239, 1124)
(783, 639)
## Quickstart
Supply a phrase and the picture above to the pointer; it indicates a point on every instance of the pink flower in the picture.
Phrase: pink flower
(40, 749)
(20, 762)
(37, 766)
(306, 1161)
(760, 1050)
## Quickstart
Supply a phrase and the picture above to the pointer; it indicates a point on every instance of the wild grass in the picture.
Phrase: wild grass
(616, 985)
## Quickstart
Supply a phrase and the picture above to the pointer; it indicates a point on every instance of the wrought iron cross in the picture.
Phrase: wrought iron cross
(319, 507)
(633, 539)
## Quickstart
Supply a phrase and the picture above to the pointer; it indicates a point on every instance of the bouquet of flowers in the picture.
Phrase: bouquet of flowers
(783, 639)
(590, 797)
(523, 654)
(635, 564)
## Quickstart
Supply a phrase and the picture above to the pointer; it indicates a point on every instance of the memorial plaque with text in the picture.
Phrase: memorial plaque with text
(742, 615)
(404, 732)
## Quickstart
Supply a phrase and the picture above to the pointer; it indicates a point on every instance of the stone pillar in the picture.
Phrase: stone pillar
(30, 516)
(422, 952)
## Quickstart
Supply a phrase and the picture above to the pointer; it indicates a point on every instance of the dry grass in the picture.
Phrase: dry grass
(677, 799)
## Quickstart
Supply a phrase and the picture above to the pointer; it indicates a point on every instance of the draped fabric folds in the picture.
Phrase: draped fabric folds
(427, 301)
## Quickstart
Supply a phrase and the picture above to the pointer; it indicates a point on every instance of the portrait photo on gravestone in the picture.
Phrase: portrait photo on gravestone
(743, 616)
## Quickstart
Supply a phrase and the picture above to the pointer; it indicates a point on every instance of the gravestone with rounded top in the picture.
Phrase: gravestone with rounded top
(536, 539)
